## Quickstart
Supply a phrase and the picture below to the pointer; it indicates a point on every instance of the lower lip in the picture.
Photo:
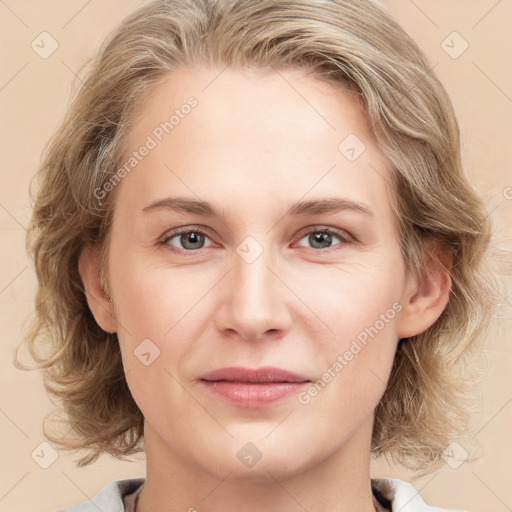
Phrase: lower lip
(254, 396)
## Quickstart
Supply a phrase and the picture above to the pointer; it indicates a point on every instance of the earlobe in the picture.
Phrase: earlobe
(97, 298)
(427, 297)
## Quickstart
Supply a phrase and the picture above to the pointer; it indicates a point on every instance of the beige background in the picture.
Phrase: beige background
(33, 96)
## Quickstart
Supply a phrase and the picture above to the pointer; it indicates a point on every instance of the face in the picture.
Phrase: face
(255, 231)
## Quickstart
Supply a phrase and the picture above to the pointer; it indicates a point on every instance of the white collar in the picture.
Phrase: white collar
(403, 496)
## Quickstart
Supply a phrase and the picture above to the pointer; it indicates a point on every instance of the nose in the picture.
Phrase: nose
(254, 301)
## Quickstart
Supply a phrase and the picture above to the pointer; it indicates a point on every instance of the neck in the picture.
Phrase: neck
(338, 483)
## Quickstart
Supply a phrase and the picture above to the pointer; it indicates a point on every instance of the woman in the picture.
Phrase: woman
(260, 260)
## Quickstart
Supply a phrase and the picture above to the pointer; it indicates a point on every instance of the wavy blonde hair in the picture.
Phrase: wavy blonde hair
(352, 43)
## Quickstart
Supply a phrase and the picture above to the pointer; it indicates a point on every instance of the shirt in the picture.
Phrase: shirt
(120, 495)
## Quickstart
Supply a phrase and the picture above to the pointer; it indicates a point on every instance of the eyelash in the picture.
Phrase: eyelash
(342, 235)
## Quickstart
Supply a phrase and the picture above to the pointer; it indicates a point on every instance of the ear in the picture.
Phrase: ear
(428, 295)
(97, 298)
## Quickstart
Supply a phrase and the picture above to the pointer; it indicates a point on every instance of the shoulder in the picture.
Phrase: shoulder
(402, 496)
(109, 499)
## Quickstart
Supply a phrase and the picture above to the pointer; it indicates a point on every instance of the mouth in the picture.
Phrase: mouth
(253, 388)
(264, 375)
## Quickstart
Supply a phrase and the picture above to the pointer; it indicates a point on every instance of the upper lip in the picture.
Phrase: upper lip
(257, 375)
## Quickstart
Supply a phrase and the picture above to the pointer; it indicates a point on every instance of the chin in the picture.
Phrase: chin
(261, 462)
(263, 473)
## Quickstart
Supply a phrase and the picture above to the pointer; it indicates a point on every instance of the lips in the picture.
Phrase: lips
(253, 388)
(264, 375)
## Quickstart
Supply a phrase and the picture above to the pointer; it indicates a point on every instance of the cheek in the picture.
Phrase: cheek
(351, 297)
(355, 364)
(359, 306)
(151, 307)
(151, 300)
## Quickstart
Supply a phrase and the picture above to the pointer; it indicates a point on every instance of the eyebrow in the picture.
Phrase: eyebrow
(311, 207)
(328, 205)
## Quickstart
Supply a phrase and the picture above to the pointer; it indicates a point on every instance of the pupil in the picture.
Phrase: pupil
(191, 240)
(323, 239)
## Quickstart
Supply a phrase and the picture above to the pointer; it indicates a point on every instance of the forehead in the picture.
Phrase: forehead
(211, 132)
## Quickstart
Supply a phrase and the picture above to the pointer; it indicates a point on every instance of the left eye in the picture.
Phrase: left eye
(323, 239)
(187, 240)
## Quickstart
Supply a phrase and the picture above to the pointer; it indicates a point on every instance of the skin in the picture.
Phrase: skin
(255, 144)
